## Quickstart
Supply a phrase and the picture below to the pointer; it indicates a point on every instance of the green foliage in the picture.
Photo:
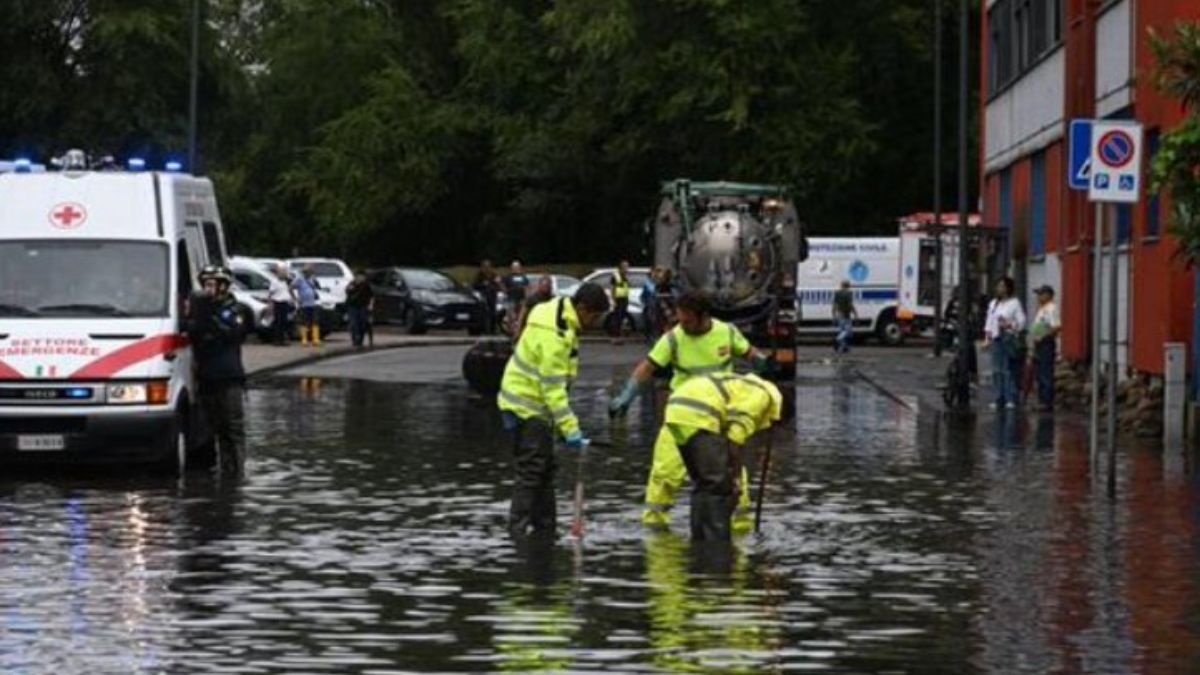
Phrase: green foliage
(1176, 167)
(433, 131)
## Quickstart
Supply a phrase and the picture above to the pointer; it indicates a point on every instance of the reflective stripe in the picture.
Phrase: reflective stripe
(721, 388)
(533, 372)
(695, 405)
(705, 370)
(528, 403)
(561, 414)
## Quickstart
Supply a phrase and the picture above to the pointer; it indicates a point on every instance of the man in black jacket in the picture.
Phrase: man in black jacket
(216, 328)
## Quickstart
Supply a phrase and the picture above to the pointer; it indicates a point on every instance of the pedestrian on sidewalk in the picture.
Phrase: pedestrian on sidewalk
(1003, 333)
(216, 330)
(487, 285)
(535, 404)
(844, 314)
(306, 291)
(280, 296)
(1043, 334)
(360, 302)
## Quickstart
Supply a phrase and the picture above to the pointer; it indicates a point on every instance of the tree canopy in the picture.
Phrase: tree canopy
(437, 131)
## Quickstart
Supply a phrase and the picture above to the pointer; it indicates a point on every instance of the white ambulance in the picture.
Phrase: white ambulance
(871, 265)
(94, 270)
(918, 266)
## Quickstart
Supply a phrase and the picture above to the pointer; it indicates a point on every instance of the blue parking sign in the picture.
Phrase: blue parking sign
(1080, 167)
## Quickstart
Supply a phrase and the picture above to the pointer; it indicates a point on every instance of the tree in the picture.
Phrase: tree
(1176, 167)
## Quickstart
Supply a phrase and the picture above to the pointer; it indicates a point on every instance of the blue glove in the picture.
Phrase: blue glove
(762, 364)
(577, 441)
(620, 404)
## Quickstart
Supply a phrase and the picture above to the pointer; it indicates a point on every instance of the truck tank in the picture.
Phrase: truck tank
(741, 244)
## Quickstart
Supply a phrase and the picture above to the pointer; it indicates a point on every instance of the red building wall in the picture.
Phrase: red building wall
(1055, 185)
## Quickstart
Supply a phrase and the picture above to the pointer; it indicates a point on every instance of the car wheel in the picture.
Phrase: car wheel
(412, 322)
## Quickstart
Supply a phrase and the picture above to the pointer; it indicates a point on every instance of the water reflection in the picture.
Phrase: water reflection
(368, 535)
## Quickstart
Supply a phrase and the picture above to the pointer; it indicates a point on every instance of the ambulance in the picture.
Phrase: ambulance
(95, 267)
(871, 265)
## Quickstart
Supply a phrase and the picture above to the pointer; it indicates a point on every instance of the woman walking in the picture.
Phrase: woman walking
(1003, 330)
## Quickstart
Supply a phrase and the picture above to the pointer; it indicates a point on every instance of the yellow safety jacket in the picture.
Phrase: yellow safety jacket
(730, 405)
(693, 355)
(543, 365)
(620, 287)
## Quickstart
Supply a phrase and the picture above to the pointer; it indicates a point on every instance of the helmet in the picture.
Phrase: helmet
(216, 272)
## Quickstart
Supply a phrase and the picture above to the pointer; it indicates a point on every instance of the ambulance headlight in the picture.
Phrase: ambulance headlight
(126, 393)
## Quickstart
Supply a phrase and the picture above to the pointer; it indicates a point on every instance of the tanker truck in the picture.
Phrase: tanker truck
(741, 244)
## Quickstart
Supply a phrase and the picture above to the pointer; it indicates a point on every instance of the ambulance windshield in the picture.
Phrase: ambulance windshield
(83, 279)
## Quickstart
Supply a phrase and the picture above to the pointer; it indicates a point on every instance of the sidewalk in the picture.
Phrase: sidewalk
(264, 359)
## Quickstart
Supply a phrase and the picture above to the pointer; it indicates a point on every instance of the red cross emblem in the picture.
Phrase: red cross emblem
(68, 216)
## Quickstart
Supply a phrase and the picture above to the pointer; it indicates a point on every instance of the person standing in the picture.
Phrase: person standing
(516, 283)
(216, 330)
(281, 305)
(542, 291)
(1002, 332)
(535, 405)
(360, 302)
(710, 419)
(844, 314)
(1043, 333)
(620, 293)
(699, 346)
(487, 285)
(305, 290)
(649, 300)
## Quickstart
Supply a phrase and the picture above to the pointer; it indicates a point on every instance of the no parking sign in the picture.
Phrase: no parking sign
(1116, 162)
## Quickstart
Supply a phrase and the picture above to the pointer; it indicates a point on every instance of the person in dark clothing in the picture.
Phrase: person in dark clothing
(515, 286)
(360, 302)
(216, 329)
(542, 291)
(487, 285)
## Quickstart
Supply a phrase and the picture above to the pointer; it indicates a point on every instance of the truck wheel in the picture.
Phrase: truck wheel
(889, 331)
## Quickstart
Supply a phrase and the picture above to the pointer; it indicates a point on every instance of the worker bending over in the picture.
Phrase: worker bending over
(534, 403)
(710, 418)
(699, 345)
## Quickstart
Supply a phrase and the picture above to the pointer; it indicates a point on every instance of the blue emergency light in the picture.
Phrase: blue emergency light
(174, 166)
(78, 393)
(136, 164)
(22, 165)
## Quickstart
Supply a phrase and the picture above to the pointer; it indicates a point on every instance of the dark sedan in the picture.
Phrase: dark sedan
(420, 299)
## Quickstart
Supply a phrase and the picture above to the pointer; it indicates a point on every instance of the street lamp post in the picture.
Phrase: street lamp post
(937, 175)
(964, 299)
(193, 87)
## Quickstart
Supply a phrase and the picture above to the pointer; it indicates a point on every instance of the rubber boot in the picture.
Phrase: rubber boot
(316, 333)
(710, 517)
(304, 336)
(743, 515)
(545, 511)
(520, 512)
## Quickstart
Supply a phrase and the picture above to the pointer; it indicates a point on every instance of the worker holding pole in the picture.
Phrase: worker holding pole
(710, 419)
(700, 345)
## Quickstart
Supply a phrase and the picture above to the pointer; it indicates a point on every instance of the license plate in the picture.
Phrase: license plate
(41, 443)
(464, 317)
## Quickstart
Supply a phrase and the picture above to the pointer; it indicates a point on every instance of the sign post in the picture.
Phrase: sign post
(1114, 177)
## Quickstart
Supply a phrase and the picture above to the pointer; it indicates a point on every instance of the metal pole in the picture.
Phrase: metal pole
(964, 299)
(1097, 288)
(1112, 357)
(193, 87)
(938, 301)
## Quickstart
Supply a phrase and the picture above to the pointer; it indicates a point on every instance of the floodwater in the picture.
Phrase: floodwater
(368, 536)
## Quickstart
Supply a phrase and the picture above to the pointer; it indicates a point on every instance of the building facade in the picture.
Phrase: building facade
(1044, 63)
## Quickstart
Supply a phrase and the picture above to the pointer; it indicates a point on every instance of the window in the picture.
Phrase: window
(1037, 235)
(1153, 204)
(184, 263)
(212, 243)
(1020, 33)
(1006, 198)
(84, 278)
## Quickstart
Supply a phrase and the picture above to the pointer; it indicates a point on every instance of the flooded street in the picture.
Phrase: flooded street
(369, 536)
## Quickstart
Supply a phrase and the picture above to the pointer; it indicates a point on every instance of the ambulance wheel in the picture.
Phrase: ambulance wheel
(889, 330)
(176, 447)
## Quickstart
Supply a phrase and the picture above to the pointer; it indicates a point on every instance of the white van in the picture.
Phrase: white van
(871, 265)
(94, 271)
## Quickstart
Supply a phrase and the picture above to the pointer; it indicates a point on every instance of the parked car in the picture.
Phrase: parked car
(420, 299)
(255, 278)
(562, 285)
(250, 290)
(637, 277)
(332, 276)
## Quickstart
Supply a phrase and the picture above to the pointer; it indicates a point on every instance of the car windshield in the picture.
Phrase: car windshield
(428, 280)
(320, 269)
(57, 278)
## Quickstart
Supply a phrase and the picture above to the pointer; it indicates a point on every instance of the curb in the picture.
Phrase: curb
(341, 351)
